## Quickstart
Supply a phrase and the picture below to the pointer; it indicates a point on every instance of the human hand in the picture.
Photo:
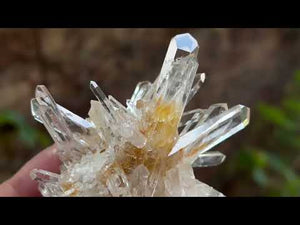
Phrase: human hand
(21, 184)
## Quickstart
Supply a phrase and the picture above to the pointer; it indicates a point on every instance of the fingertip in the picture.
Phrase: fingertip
(22, 184)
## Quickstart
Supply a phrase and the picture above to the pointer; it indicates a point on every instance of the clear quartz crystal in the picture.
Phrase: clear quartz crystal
(211, 158)
(146, 148)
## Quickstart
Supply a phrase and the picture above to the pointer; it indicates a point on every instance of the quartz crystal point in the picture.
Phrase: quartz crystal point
(146, 148)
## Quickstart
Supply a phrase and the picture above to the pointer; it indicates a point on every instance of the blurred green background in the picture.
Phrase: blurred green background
(259, 68)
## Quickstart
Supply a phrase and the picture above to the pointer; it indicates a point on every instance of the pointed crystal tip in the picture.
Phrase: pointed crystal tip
(181, 45)
(93, 84)
(186, 42)
(97, 91)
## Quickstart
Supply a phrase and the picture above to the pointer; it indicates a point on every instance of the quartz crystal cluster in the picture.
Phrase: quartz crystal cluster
(146, 148)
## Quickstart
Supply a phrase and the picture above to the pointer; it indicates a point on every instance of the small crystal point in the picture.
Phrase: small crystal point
(182, 45)
(186, 42)
(98, 92)
(199, 79)
(34, 106)
(44, 97)
(202, 77)
(140, 91)
(212, 158)
(101, 97)
(215, 130)
(43, 175)
(73, 118)
(95, 88)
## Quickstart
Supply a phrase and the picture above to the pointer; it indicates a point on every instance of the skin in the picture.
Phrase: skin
(21, 184)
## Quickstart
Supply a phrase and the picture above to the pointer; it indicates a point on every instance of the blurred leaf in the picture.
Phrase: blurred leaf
(275, 115)
(287, 140)
(253, 158)
(11, 117)
(276, 163)
(29, 136)
(260, 177)
(291, 188)
(292, 105)
(297, 76)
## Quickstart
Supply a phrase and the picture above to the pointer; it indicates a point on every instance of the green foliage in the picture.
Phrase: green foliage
(28, 136)
(270, 157)
(275, 116)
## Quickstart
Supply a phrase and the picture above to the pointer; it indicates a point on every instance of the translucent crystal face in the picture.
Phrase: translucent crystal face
(147, 148)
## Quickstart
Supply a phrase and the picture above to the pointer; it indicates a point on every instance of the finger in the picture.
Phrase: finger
(21, 183)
